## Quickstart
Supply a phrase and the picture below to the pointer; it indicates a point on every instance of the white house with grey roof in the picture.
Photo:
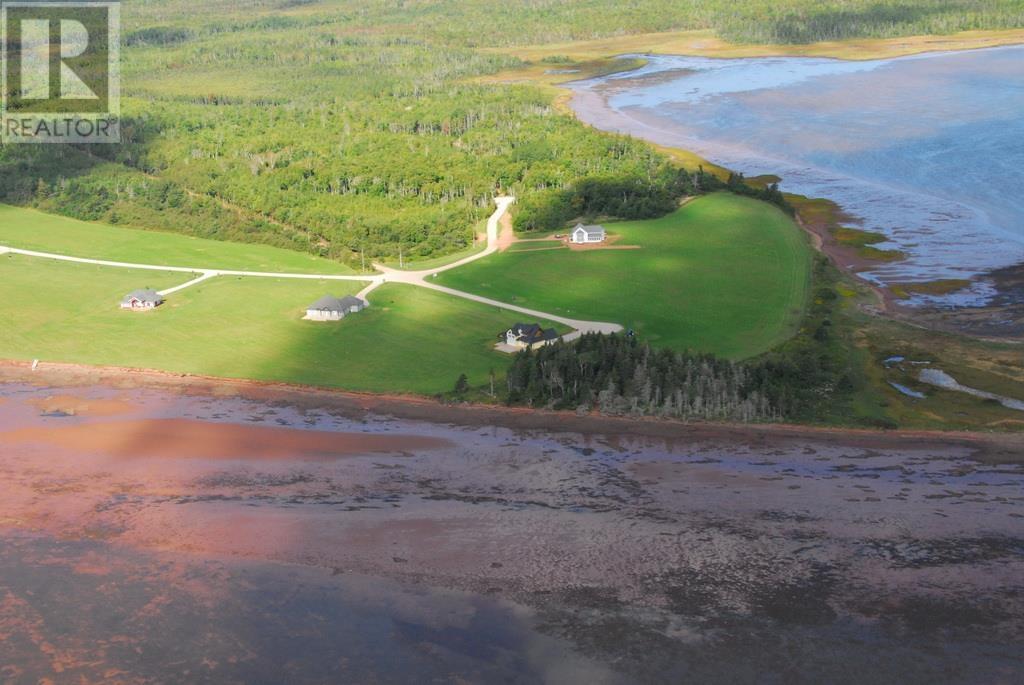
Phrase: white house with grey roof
(142, 299)
(329, 308)
(584, 234)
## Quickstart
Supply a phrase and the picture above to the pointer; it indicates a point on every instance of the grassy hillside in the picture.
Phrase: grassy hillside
(346, 130)
(340, 127)
(410, 340)
(29, 229)
(724, 274)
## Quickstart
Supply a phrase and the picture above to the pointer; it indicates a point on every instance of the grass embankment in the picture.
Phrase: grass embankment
(723, 274)
(410, 340)
(853, 245)
(30, 229)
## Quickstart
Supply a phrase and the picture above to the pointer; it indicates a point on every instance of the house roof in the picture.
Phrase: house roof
(533, 333)
(143, 295)
(590, 229)
(525, 328)
(349, 301)
(329, 303)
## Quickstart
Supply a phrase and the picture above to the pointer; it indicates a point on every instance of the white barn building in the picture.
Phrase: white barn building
(584, 235)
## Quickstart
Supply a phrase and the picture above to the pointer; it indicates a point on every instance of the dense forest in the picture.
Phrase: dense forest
(616, 374)
(348, 128)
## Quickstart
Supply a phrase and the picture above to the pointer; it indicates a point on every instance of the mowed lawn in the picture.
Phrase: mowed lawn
(29, 229)
(723, 274)
(410, 340)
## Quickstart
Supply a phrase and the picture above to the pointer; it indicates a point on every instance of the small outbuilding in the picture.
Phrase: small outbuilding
(142, 299)
(329, 308)
(527, 336)
(586, 235)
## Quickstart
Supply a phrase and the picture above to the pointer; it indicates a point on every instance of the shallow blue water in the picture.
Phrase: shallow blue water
(928, 149)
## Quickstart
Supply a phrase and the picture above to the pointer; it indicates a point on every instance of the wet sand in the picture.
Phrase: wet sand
(994, 447)
(610, 557)
(70, 404)
(188, 439)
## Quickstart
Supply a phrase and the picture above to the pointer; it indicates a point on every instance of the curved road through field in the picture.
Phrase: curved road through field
(421, 279)
(386, 275)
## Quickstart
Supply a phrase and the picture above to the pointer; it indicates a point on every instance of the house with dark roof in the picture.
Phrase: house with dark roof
(527, 336)
(329, 308)
(584, 235)
(142, 299)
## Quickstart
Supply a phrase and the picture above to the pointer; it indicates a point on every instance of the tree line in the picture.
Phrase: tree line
(810, 378)
(617, 374)
(632, 198)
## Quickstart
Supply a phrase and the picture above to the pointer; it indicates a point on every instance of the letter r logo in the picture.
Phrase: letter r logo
(37, 51)
(74, 40)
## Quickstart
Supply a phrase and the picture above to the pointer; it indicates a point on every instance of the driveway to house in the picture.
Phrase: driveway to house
(579, 327)
(422, 278)
(373, 281)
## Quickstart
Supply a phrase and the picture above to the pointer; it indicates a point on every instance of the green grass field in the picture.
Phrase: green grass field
(410, 340)
(674, 291)
(29, 229)
(724, 274)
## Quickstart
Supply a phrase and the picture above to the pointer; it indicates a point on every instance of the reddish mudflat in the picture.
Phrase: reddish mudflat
(190, 439)
(213, 537)
(72, 404)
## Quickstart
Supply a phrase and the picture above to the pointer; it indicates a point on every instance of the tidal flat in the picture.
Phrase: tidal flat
(382, 549)
(922, 150)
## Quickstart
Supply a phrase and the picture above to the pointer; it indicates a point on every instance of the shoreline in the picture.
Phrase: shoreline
(991, 447)
(589, 106)
(693, 549)
(1001, 320)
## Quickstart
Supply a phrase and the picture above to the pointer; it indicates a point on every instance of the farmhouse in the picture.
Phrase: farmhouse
(142, 299)
(329, 308)
(583, 234)
(528, 336)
